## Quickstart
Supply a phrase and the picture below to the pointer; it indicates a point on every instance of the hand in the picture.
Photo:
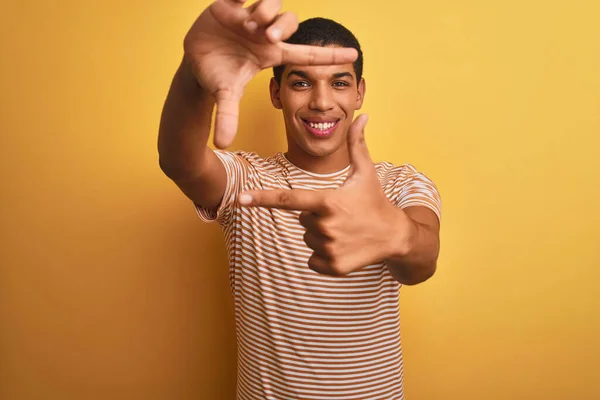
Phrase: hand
(229, 44)
(350, 227)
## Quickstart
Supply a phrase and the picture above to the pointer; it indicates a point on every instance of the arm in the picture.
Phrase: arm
(182, 141)
(357, 225)
(221, 56)
(415, 246)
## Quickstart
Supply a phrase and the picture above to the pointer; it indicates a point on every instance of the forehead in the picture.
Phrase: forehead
(319, 71)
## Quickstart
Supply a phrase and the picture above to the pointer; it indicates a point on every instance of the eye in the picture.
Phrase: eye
(300, 84)
(341, 84)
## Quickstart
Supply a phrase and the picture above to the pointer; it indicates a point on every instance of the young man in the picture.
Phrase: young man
(320, 238)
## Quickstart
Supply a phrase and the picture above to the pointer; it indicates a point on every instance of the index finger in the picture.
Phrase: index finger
(316, 55)
(293, 199)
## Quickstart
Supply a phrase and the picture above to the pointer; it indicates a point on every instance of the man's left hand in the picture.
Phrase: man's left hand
(350, 227)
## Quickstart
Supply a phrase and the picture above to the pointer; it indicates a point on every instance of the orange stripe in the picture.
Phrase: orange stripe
(300, 334)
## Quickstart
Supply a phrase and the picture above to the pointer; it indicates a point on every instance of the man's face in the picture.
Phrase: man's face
(318, 104)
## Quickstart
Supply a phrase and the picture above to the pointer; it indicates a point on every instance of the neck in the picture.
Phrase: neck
(327, 164)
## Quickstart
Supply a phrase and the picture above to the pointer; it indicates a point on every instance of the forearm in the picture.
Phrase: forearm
(413, 255)
(184, 125)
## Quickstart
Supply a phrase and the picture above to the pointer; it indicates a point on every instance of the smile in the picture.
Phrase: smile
(321, 129)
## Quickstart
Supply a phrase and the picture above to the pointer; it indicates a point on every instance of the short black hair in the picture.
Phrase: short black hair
(324, 32)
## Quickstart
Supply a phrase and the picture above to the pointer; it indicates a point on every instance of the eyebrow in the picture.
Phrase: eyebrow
(304, 75)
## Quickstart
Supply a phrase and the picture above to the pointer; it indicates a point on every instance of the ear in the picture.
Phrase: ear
(360, 95)
(274, 89)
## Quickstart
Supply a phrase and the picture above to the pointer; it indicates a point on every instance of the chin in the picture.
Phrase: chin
(319, 149)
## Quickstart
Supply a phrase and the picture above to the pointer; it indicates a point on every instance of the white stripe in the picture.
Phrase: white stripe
(287, 316)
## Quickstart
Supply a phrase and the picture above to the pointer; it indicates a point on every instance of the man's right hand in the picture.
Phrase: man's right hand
(229, 44)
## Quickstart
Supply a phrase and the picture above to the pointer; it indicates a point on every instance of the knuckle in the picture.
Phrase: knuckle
(303, 218)
(312, 56)
(330, 250)
(314, 265)
(284, 55)
(260, 17)
(306, 239)
(188, 43)
(325, 229)
(266, 12)
(224, 94)
(327, 226)
(330, 203)
(337, 268)
(284, 198)
(291, 19)
(359, 140)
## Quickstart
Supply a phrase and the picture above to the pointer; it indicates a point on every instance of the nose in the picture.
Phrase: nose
(321, 99)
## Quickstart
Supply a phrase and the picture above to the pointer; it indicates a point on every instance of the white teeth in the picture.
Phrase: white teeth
(321, 126)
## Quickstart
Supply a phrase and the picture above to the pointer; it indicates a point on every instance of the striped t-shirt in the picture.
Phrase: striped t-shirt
(302, 335)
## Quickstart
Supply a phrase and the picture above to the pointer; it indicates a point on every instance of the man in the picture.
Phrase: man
(319, 239)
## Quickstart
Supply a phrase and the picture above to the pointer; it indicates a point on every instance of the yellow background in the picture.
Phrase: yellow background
(111, 288)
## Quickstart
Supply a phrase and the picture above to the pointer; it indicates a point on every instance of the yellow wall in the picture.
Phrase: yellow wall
(110, 288)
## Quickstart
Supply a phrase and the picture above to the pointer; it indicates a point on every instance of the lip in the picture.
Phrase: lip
(317, 132)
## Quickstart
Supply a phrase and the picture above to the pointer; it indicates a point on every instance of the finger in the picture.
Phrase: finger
(320, 265)
(309, 221)
(295, 199)
(234, 2)
(316, 243)
(316, 55)
(284, 26)
(229, 13)
(263, 14)
(357, 147)
(226, 119)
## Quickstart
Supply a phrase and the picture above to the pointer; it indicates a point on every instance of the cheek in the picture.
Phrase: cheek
(291, 98)
(352, 99)
(290, 108)
(291, 115)
(347, 101)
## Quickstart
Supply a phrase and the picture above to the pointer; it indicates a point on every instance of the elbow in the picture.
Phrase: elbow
(167, 168)
(424, 276)
(172, 170)
(415, 276)
(180, 171)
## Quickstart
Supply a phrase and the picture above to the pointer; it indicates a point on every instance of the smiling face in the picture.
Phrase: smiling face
(318, 104)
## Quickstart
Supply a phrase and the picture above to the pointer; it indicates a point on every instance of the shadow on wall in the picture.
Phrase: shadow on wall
(130, 302)
(202, 266)
(204, 330)
(116, 289)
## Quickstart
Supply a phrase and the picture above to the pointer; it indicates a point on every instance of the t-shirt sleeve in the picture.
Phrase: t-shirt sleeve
(413, 188)
(237, 168)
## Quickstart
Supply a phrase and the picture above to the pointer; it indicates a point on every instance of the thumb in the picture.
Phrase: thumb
(226, 120)
(357, 147)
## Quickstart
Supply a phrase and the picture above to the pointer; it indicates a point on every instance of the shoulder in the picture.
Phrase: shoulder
(391, 174)
(406, 186)
(248, 157)
(251, 162)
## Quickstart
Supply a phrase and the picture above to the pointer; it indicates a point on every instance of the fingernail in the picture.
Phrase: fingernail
(251, 26)
(245, 199)
(276, 33)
